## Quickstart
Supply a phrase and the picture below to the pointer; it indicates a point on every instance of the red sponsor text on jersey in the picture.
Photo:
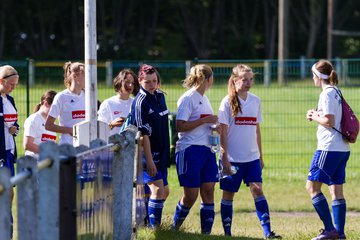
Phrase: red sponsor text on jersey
(78, 114)
(204, 115)
(10, 117)
(245, 120)
(47, 137)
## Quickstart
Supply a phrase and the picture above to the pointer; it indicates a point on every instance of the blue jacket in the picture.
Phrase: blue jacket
(2, 133)
(150, 114)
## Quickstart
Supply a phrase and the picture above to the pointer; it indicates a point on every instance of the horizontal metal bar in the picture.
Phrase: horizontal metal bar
(20, 177)
(47, 162)
(93, 150)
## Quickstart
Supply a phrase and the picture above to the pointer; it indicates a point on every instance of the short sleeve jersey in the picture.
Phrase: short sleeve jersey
(10, 117)
(112, 108)
(242, 139)
(328, 138)
(150, 114)
(192, 106)
(34, 126)
(70, 108)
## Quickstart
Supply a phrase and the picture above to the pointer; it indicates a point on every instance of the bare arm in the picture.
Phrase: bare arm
(51, 126)
(30, 145)
(184, 126)
(258, 140)
(327, 121)
(223, 148)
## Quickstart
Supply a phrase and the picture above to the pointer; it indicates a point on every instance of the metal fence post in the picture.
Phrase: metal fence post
(4, 203)
(123, 176)
(267, 73)
(187, 67)
(109, 73)
(345, 68)
(302, 67)
(31, 71)
(27, 200)
(49, 193)
(67, 200)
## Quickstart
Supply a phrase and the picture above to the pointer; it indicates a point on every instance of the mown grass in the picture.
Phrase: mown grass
(288, 145)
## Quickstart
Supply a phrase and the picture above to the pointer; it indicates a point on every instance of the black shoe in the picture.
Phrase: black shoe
(273, 235)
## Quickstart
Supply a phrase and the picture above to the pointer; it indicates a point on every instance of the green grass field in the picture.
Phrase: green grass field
(288, 145)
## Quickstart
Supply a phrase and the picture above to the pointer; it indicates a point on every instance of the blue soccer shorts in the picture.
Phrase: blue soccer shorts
(9, 162)
(328, 167)
(249, 172)
(161, 174)
(196, 165)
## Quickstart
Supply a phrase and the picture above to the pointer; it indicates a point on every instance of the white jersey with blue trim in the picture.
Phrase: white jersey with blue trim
(242, 138)
(192, 106)
(328, 138)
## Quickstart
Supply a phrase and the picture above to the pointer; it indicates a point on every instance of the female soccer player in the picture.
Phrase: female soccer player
(195, 163)
(240, 140)
(9, 127)
(69, 104)
(150, 114)
(331, 155)
(34, 126)
(114, 110)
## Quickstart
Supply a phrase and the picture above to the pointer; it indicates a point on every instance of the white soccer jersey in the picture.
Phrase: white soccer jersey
(328, 138)
(34, 126)
(192, 106)
(10, 117)
(242, 139)
(70, 108)
(112, 108)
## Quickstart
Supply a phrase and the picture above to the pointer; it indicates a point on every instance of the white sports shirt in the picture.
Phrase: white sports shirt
(34, 126)
(112, 108)
(242, 145)
(328, 138)
(10, 117)
(192, 106)
(70, 108)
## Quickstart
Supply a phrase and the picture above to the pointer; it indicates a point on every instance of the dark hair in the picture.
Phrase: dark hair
(47, 97)
(325, 67)
(120, 78)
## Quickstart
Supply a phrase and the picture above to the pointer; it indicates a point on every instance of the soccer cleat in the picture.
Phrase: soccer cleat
(342, 237)
(324, 234)
(273, 235)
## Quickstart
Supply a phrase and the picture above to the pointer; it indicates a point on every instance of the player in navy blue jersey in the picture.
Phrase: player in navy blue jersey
(150, 114)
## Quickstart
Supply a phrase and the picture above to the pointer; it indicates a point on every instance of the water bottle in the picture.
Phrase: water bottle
(2, 161)
(222, 175)
(214, 139)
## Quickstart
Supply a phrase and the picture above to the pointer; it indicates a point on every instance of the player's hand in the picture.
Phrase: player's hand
(309, 115)
(151, 168)
(262, 163)
(12, 130)
(210, 119)
(226, 167)
(118, 122)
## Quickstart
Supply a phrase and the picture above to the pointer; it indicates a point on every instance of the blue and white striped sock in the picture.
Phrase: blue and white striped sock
(207, 215)
(155, 212)
(339, 213)
(262, 211)
(180, 214)
(322, 208)
(226, 215)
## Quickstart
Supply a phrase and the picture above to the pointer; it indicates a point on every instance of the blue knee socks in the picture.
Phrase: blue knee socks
(226, 215)
(207, 215)
(322, 208)
(339, 213)
(180, 214)
(155, 212)
(262, 211)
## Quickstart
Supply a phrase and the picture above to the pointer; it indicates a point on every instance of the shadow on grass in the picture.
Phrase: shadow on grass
(165, 233)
